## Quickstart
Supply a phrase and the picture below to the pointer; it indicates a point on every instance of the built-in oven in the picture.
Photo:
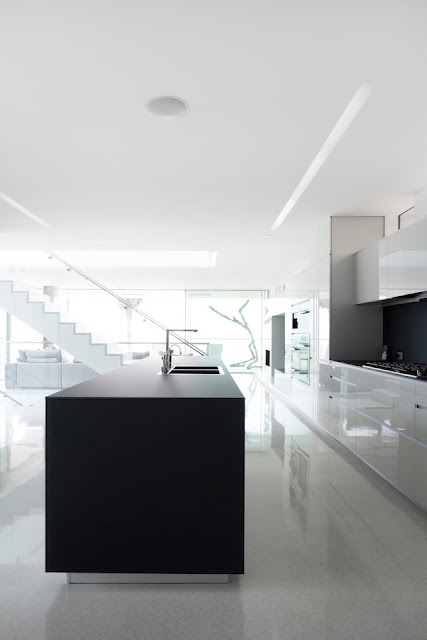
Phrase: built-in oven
(300, 357)
(301, 319)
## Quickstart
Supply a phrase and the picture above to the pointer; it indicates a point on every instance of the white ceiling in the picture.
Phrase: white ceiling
(266, 81)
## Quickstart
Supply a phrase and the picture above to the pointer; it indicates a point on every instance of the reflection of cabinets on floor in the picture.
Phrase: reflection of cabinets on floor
(299, 471)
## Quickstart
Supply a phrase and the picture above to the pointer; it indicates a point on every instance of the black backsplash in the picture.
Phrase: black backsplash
(405, 329)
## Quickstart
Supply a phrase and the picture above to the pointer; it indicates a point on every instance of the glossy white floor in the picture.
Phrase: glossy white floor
(332, 551)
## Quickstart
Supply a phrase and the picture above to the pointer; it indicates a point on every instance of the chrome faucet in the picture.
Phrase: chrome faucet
(167, 356)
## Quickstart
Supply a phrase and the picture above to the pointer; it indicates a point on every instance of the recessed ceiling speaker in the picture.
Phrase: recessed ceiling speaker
(167, 107)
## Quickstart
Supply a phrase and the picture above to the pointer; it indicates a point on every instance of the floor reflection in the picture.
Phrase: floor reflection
(299, 472)
(21, 485)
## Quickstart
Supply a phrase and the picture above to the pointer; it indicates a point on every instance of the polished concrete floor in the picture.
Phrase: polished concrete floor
(332, 551)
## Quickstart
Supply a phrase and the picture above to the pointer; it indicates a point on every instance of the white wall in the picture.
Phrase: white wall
(391, 223)
(420, 205)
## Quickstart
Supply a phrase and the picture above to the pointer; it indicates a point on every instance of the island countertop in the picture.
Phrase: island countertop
(143, 379)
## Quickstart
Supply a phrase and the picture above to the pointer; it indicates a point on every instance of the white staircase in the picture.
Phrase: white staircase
(36, 311)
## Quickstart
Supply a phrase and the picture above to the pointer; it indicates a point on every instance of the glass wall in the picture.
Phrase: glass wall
(113, 322)
(15, 337)
(230, 324)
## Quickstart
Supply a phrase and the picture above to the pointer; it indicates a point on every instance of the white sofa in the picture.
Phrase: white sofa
(45, 369)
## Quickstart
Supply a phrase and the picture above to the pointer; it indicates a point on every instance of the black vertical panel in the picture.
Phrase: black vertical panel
(145, 485)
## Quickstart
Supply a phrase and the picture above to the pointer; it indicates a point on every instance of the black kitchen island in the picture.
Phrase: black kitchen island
(145, 476)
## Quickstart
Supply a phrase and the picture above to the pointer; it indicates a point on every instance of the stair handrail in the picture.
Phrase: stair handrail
(125, 302)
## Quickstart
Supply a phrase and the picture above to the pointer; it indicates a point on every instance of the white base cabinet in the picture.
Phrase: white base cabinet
(420, 475)
(382, 418)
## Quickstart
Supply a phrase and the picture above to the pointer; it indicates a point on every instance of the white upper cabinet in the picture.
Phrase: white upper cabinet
(394, 266)
(382, 268)
(416, 257)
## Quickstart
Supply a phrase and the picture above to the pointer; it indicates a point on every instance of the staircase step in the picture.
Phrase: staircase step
(38, 297)
(35, 309)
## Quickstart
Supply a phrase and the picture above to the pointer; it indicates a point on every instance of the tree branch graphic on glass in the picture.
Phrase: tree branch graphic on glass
(250, 362)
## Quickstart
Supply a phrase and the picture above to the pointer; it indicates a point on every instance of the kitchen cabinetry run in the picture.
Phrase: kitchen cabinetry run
(394, 266)
(382, 418)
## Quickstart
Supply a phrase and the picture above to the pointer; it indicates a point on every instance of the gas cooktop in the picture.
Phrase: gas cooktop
(413, 370)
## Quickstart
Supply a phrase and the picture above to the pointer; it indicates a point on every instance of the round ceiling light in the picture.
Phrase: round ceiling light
(167, 107)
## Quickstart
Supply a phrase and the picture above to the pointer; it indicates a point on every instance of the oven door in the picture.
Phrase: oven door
(295, 363)
(300, 357)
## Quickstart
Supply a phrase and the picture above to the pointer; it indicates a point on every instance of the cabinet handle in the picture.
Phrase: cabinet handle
(420, 407)
(352, 384)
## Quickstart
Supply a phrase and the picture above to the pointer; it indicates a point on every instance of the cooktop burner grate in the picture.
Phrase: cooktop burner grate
(413, 370)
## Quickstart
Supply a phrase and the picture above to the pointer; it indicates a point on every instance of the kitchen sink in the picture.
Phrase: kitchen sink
(205, 370)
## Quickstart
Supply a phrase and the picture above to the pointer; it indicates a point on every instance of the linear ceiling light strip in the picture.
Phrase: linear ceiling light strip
(351, 111)
(25, 211)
